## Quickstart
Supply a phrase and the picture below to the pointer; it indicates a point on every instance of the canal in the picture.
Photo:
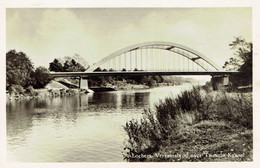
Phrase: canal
(80, 128)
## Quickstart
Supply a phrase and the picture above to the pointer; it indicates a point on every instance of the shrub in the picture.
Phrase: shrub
(151, 83)
(30, 90)
(208, 87)
(41, 77)
(19, 69)
(237, 109)
(16, 89)
(168, 123)
(145, 136)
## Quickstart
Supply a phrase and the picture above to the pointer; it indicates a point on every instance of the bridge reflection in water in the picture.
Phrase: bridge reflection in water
(114, 100)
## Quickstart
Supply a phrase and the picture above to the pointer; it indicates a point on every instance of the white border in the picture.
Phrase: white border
(130, 3)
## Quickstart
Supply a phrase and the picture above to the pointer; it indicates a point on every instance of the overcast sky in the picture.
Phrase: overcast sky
(45, 34)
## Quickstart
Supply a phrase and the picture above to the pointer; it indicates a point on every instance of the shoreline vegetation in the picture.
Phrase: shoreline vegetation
(197, 125)
(67, 87)
(56, 89)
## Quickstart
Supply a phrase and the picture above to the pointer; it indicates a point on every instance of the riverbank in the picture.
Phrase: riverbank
(41, 93)
(195, 126)
(55, 89)
(128, 86)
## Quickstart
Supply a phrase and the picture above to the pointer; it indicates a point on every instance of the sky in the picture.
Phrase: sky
(94, 33)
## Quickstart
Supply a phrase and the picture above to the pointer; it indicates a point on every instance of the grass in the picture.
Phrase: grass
(195, 126)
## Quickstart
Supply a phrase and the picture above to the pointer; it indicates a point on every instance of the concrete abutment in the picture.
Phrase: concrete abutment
(220, 82)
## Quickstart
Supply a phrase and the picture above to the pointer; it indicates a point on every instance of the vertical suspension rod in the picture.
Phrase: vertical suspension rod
(114, 66)
(183, 63)
(125, 60)
(188, 64)
(141, 58)
(193, 65)
(119, 65)
(136, 59)
(146, 59)
(151, 58)
(170, 60)
(130, 60)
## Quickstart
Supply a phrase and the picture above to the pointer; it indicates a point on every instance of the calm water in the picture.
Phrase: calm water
(81, 128)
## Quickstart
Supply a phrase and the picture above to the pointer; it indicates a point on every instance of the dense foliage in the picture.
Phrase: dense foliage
(77, 58)
(68, 66)
(56, 66)
(150, 81)
(19, 69)
(41, 77)
(20, 73)
(242, 62)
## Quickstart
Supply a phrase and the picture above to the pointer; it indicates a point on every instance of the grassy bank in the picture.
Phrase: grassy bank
(195, 126)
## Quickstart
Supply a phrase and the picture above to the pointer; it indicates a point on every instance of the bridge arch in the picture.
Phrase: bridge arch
(182, 50)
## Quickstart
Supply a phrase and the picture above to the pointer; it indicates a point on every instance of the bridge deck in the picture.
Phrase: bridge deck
(130, 73)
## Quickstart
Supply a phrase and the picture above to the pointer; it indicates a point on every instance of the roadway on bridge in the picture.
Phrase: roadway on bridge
(131, 73)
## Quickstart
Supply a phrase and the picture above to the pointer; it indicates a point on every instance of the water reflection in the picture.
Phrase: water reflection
(76, 128)
(111, 101)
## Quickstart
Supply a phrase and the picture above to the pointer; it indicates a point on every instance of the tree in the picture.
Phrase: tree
(41, 77)
(145, 80)
(68, 66)
(151, 82)
(98, 69)
(242, 62)
(243, 48)
(232, 65)
(77, 66)
(19, 69)
(76, 58)
(243, 54)
(158, 78)
(56, 66)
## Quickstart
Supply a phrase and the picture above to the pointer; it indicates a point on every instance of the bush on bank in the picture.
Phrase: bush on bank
(178, 121)
(21, 75)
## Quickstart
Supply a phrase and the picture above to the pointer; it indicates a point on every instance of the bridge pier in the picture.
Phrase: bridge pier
(83, 83)
(220, 82)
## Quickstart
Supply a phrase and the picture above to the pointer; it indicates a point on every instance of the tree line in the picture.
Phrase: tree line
(22, 77)
(68, 66)
(147, 80)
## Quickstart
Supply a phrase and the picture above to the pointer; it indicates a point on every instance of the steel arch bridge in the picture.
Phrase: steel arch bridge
(153, 58)
(156, 56)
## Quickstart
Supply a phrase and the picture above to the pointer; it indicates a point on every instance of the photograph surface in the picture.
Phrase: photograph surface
(129, 84)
